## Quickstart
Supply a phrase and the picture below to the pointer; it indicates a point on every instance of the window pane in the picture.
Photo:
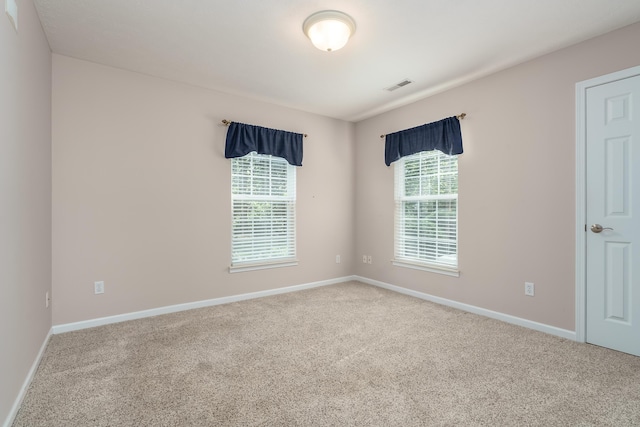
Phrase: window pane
(429, 164)
(412, 168)
(279, 186)
(412, 186)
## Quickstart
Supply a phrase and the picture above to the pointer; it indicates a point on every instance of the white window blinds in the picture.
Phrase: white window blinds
(263, 193)
(426, 209)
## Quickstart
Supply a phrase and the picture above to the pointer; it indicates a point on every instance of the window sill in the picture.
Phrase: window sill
(262, 266)
(439, 269)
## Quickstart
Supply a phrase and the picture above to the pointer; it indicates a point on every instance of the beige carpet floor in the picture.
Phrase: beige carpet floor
(349, 354)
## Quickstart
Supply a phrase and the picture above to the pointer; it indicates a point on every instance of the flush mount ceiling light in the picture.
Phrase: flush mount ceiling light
(329, 30)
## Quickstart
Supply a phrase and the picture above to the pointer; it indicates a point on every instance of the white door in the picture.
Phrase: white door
(613, 215)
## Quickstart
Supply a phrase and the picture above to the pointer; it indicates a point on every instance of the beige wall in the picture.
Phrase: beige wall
(25, 198)
(516, 180)
(141, 193)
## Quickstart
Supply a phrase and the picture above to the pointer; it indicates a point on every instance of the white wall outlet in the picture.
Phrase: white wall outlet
(98, 287)
(47, 300)
(364, 259)
(337, 259)
(369, 259)
(11, 8)
(529, 289)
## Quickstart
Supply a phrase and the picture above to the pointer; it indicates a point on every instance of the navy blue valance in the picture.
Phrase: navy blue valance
(242, 139)
(444, 135)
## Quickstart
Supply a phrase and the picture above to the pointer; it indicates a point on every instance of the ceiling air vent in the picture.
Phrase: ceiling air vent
(399, 85)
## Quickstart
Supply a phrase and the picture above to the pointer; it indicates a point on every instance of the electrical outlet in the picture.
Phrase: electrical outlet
(47, 300)
(98, 287)
(337, 259)
(369, 259)
(364, 259)
(529, 289)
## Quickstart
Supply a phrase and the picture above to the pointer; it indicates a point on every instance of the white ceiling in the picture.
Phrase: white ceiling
(256, 48)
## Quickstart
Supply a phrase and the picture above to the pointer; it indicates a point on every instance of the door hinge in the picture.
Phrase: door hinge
(585, 228)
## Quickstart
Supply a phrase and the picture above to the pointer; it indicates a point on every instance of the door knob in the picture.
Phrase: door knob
(597, 228)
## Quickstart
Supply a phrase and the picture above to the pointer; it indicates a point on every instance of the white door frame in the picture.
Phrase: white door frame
(581, 192)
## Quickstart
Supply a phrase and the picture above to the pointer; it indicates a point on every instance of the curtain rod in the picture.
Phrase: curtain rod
(459, 117)
(227, 123)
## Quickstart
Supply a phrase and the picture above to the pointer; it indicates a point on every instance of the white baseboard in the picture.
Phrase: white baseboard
(68, 327)
(27, 381)
(541, 327)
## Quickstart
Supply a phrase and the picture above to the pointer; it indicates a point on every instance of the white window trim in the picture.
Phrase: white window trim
(424, 265)
(253, 265)
(239, 268)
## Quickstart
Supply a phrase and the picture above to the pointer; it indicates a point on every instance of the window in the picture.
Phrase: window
(426, 212)
(263, 196)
